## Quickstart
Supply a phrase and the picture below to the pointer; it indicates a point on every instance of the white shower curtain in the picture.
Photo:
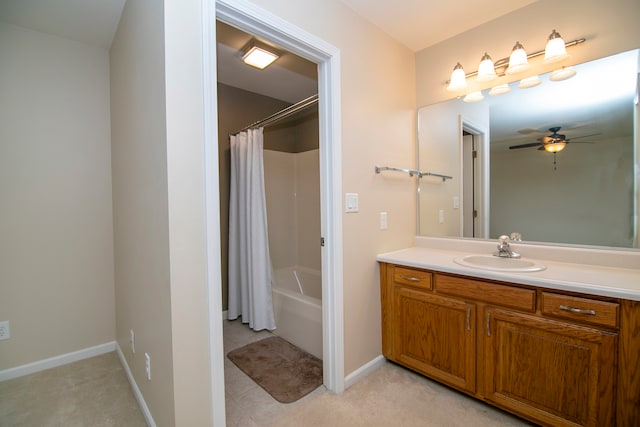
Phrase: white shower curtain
(250, 270)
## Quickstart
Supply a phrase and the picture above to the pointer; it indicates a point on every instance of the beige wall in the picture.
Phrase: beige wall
(190, 317)
(378, 127)
(609, 27)
(141, 224)
(56, 250)
(158, 192)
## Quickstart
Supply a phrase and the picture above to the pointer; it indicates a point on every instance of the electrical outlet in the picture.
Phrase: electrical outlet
(132, 341)
(5, 332)
(147, 365)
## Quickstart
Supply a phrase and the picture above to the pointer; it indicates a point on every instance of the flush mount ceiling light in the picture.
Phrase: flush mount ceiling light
(555, 50)
(259, 57)
(517, 62)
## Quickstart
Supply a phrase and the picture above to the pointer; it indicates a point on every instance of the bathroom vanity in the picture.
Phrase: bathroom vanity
(558, 347)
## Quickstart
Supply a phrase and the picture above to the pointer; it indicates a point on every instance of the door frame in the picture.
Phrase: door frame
(259, 22)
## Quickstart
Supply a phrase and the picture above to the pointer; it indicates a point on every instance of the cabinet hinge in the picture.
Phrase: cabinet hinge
(322, 241)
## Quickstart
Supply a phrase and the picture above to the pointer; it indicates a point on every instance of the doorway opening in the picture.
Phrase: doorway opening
(474, 149)
(273, 29)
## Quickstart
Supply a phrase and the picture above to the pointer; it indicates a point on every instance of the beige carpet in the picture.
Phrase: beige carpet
(91, 392)
(280, 368)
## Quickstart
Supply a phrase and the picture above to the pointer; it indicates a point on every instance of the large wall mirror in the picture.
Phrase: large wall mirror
(505, 181)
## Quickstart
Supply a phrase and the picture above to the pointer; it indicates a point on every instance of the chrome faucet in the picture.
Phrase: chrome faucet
(504, 250)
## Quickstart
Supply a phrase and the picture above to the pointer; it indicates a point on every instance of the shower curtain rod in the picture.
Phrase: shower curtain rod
(282, 114)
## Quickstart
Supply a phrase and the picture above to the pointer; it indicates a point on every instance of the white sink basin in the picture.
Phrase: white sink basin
(494, 263)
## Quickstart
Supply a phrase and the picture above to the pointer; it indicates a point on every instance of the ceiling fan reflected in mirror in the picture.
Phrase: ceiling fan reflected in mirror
(553, 143)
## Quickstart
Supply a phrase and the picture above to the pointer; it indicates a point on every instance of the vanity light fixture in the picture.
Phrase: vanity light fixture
(486, 70)
(555, 50)
(473, 97)
(458, 79)
(562, 74)
(518, 61)
(528, 82)
(258, 57)
(500, 90)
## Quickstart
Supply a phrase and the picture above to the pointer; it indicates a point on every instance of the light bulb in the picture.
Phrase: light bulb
(500, 90)
(518, 61)
(563, 74)
(474, 97)
(458, 79)
(486, 70)
(555, 50)
(528, 82)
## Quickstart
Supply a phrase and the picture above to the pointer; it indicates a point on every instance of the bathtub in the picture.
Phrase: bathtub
(297, 307)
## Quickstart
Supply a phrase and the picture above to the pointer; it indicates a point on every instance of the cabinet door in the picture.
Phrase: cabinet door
(550, 371)
(436, 336)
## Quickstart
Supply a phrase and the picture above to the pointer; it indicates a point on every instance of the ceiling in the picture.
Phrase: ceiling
(93, 22)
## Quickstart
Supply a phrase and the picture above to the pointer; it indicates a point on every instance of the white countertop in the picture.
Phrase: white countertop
(603, 280)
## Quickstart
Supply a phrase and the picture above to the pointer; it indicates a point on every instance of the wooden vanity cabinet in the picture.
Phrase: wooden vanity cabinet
(551, 372)
(514, 346)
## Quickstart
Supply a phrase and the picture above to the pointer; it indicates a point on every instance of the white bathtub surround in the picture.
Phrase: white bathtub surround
(249, 262)
(297, 306)
(596, 271)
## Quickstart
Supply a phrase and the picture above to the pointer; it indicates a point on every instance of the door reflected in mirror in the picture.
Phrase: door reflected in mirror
(554, 162)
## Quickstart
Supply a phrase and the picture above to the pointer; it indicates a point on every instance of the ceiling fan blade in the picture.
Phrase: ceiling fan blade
(531, 144)
(582, 136)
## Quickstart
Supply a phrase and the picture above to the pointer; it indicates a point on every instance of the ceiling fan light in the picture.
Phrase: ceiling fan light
(474, 97)
(500, 90)
(518, 61)
(486, 70)
(528, 82)
(562, 74)
(458, 79)
(555, 50)
(555, 147)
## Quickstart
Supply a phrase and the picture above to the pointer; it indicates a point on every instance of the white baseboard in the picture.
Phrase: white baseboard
(363, 371)
(55, 361)
(134, 386)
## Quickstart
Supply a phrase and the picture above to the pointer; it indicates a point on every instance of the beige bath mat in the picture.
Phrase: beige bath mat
(282, 369)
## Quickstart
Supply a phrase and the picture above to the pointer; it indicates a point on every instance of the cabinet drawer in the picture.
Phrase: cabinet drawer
(412, 277)
(583, 310)
(506, 296)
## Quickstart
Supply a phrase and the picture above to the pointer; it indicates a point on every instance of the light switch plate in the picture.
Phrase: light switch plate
(383, 221)
(351, 202)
